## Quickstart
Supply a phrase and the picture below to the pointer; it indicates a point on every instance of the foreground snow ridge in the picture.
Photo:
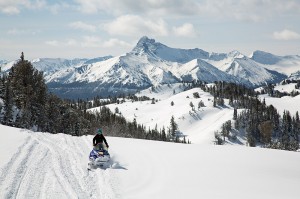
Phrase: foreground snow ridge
(42, 165)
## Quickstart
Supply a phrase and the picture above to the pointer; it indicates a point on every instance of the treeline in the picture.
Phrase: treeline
(262, 124)
(269, 89)
(27, 104)
(114, 124)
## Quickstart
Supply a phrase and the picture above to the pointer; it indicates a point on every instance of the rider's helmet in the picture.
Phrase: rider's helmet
(99, 131)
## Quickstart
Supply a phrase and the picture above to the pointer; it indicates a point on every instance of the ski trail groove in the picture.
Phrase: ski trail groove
(54, 166)
(64, 166)
(14, 171)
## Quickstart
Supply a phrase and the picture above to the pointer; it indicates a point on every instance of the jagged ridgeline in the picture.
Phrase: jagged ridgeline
(151, 63)
(28, 104)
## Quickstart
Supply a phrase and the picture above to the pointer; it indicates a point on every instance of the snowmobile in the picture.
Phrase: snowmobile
(98, 158)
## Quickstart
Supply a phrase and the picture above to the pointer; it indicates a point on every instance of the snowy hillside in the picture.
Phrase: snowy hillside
(295, 76)
(42, 165)
(199, 124)
(6, 66)
(245, 68)
(287, 103)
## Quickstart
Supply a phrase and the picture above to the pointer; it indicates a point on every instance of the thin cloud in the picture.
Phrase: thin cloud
(186, 30)
(286, 35)
(91, 42)
(71, 42)
(148, 7)
(138, 26)
(60, 6)
(52, 43)
(83, 26)
(242, 10)
(15, 31)
(111, 43)
(12, 7)
(10, 10)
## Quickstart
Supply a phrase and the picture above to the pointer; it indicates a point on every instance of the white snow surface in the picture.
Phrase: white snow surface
(287, 88)
(291, 104)
(286, 103)
(43, 165)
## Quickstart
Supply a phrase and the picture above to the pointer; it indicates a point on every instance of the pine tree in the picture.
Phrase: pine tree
(234, 114)
(192, 105)
(153, 101)
(163, 134)
(173, 127)
(29, 93)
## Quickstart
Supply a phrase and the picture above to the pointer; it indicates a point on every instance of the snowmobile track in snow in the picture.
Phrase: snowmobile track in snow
(51, 166)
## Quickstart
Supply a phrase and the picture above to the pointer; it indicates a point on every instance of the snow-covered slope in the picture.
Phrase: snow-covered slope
(6, 66)
(283, 64)
(241, 66)
(246, 68)
(295, 76)
(2, 62)
(286, 103)
(200, 70)
(42, 165)
(199, 124)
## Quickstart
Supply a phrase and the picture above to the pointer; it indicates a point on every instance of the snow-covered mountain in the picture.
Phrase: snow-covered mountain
(152, 63)
(149, 63)
(283, 64)
(6, 65)
(150, 47)
(2, 61)
(246, 68)
(295, 76)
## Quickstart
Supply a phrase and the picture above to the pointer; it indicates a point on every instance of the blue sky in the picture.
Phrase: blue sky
(95, 28)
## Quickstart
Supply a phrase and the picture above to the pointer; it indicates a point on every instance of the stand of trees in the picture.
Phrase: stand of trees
(263, 124)
(27, 104)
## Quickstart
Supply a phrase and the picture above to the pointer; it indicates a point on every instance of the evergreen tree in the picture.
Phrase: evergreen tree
(234, 114)
(173, 127)
(192, 105)
(163, 134)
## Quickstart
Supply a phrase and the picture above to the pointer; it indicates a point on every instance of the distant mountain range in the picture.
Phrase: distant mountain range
(152, 63)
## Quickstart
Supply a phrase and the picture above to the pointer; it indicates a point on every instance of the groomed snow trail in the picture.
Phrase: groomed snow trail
(54, 166)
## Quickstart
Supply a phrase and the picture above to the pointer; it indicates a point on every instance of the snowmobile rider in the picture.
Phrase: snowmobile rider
(98, 140)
